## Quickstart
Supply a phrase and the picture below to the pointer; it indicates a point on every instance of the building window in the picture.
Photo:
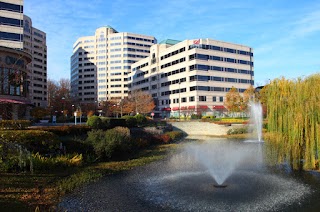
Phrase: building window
(214, 99)
(202, 98)
(221, 99)
(184, 99)
(191, 99)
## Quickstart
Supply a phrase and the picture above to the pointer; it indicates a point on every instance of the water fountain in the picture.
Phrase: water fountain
(256, 119)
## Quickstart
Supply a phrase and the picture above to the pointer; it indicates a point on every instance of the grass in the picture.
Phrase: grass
(43, 191)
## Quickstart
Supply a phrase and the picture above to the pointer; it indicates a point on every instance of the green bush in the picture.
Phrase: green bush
(66, 130)
(95, 122)
(33, 140)
(113, 143)
(41, 163)
(131, 121)
(196, 116)
(141, 119)
(234, 131)
(106, 122)
(15, 124)
(174, 135)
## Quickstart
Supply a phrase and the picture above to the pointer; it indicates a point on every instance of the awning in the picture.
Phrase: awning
(14, 101)
(202, 107)
(218, 107)
(175, 108)
(192, 107)
(184, 108)
(166, 109)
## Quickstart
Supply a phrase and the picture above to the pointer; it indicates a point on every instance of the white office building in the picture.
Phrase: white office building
(100, 64)
(192, 76)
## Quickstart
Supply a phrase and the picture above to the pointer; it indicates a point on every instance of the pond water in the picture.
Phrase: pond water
(185, 182)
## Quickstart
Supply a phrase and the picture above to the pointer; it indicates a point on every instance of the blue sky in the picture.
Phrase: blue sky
(284, 34)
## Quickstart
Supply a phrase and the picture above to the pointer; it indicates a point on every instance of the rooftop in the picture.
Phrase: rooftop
(170, 42)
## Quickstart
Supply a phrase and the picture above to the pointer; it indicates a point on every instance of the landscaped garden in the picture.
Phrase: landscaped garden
(40, 164)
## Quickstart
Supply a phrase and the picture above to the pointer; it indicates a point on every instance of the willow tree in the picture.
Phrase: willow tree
(294, 120)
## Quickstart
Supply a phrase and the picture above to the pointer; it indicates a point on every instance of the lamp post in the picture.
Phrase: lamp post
(63, 107)
(179, 100)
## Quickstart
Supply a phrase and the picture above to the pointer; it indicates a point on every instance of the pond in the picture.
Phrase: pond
(187, 180)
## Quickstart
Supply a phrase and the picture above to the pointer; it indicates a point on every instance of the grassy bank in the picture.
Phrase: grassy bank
(45, 190)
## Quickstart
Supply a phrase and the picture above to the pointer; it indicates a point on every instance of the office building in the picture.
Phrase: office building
(34, 43)
(19, 63)
(192, 76)
(100, 64)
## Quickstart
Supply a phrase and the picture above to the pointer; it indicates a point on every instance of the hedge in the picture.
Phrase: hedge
(33, 140)
(15, 124)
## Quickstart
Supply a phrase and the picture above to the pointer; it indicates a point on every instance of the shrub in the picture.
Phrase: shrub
(141, 119)
(110, 144)
(234, 131)
(15, 124)
(131, 121)
(66, 130)
(106, 122)
(174, 135)
(41, 163)
(34, 140)
(196, 116)
(94, 122)
(115, 122)
(165, 138)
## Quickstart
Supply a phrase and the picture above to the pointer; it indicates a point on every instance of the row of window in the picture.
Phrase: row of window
(136, 44)
(173, 63)
(218, 68)
(208, 88)
(11, 22)
(141, 39)
(164, 84)
(218, 48)
(135, 50)
(11, 7)
(173, 72)
(216, 58)
(191, 99)
(219, 79)
(173, 53)
(11, 36)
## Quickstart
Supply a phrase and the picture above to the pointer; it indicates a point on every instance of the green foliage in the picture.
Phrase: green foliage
(131, 121)
(106, 122)
(33, 140)
(14, 124)
(65, 130)
(174, 135)
(294, 120)
(238, 130)
(141, 119)
(196, 116)
(208, 117)
(41, 163)
(95, 122)
(113, 143)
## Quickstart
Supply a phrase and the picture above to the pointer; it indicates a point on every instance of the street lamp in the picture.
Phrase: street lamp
(179, 100)
(64, 118)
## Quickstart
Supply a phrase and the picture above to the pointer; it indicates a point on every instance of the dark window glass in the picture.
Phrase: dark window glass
(221, 98)
(10, 21)
(10, 36)
(216, 68)
(202, 67)
(202, 56)
(218, 89)
(218, 78)
(11, 7)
